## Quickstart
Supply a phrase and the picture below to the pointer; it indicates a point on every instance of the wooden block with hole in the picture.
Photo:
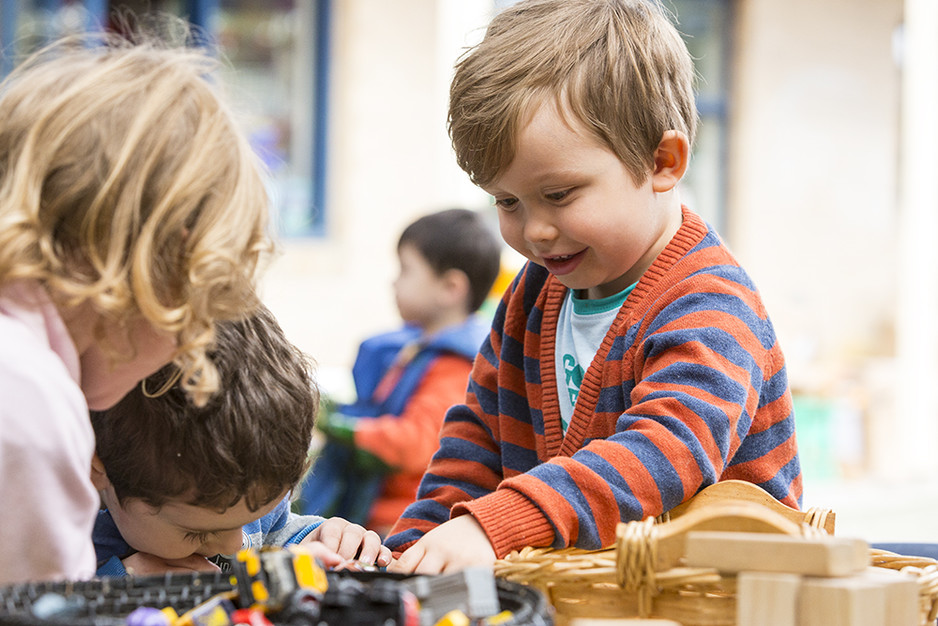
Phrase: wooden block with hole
(766, 552)
(767, 599)
(843, 601)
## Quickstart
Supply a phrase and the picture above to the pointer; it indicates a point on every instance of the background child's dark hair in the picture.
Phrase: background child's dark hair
(458, 239)
(251, 440)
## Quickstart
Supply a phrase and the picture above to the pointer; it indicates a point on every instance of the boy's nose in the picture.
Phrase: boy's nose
(226, 543)
(538, 229)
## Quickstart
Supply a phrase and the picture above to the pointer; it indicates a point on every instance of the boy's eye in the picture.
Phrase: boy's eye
(506, 203)
(197, 537)
(557, 196)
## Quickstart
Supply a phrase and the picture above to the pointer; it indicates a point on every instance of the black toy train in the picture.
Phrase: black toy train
(274, 587)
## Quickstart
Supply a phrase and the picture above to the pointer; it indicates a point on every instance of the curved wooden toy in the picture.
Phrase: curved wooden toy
(742, 491)
(736, 516)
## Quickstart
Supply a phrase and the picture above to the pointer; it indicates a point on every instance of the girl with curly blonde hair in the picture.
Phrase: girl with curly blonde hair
(133, 216)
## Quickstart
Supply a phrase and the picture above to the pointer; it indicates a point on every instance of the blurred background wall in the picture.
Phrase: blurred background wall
(815, 161)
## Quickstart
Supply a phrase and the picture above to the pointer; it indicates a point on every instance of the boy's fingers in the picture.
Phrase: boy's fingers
(370, 547)
(351, 541)
(330, 533)
(416, 560)
(384, 556)
(144, 564)
(320, 551)
(378, 553)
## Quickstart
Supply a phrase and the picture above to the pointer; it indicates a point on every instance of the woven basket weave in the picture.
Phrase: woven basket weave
(628, 579)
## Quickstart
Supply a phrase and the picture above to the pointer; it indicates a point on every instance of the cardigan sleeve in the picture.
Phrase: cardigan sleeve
(46, 442)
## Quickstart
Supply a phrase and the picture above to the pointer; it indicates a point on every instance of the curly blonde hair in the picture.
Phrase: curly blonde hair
(619, 67)
(125, 182)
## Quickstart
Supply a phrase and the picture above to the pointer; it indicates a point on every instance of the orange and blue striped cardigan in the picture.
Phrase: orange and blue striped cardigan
(689, 387)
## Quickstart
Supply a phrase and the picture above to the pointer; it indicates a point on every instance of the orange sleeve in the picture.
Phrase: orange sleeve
(409, 440)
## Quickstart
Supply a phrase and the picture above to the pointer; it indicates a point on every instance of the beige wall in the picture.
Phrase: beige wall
(813, 169)
(813, 192)
(389, 161)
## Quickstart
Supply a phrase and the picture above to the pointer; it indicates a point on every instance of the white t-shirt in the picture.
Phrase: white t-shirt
(581, 328)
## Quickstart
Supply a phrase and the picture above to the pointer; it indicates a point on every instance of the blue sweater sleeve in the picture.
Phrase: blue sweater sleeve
(112, 567)
(280, 527)
(109, 546)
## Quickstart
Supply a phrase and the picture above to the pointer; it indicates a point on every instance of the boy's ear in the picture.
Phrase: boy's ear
(670, 160)
(457, 284)
(98, 476)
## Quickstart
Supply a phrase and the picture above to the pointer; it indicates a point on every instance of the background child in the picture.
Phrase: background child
(132, 216)
(183, 483)
(631, 362)
(369, 469)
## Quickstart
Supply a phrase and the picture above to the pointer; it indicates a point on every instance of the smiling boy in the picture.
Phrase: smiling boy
(631, 363)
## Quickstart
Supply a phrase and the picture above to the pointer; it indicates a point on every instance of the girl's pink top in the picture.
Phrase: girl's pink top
(47, 501)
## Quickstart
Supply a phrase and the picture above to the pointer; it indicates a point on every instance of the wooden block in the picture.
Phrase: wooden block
(843, 601)
(902, 595)
(622, 621)
(765, 552)
(767, 599)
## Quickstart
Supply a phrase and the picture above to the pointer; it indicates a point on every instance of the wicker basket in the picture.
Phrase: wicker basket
(641, 575)
(926, 571)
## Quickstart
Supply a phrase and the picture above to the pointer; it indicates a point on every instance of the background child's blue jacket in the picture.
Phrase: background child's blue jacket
(338, 485)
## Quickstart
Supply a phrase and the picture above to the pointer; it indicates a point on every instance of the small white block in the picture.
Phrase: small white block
(902, 595)
(768, 552)
(767, 599)
(843, 601)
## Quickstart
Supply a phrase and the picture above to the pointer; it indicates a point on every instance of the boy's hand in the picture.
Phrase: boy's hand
(450, 547)
(350, 541)
(143, 564)
(329, 558)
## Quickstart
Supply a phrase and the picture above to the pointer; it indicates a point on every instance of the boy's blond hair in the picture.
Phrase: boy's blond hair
(619, 67)
(124, 182)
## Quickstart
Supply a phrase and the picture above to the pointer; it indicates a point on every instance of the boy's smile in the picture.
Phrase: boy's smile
(567, 202)
(563, 264)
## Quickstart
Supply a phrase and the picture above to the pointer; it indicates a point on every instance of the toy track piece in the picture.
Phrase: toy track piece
(107, 601)
(529, 607)
(350, 598)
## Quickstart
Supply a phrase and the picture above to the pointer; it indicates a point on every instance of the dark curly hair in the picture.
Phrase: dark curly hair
(250, 441)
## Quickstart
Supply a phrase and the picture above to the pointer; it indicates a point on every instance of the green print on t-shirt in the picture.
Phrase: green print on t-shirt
(574, 375)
